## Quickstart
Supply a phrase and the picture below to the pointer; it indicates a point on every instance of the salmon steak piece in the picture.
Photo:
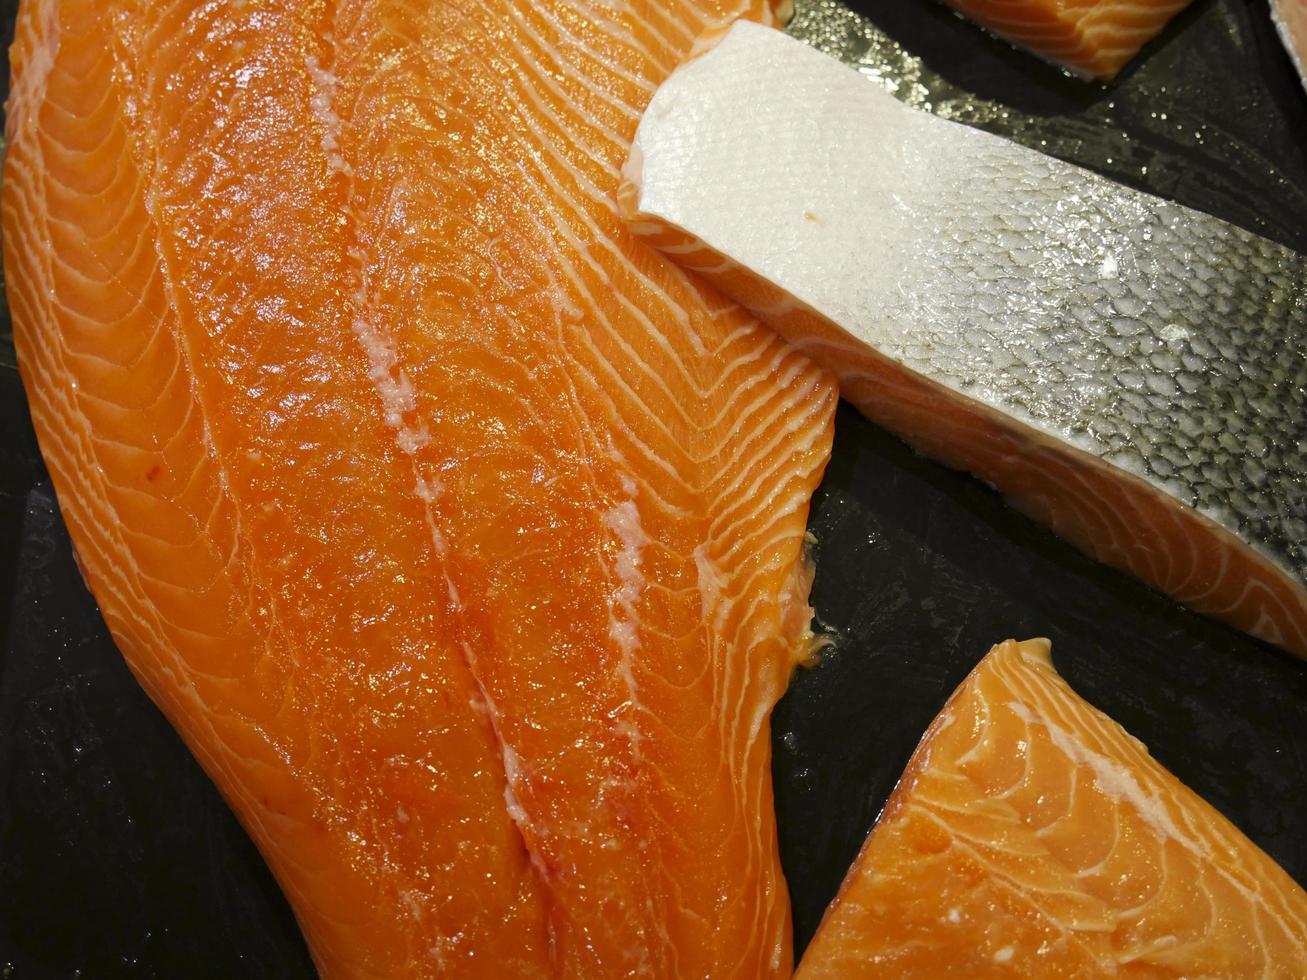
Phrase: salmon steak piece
(458, 533)
(1090, 38)
(1032, 836)
(1126, 371)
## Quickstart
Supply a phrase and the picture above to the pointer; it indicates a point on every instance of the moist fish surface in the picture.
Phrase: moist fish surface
(1126, 370)
(456, 531)
(1092, 38)
(1032, 836)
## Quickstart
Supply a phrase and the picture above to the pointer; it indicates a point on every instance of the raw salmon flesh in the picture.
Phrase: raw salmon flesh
(1092, 38)
(1031, 836)
(457, 532)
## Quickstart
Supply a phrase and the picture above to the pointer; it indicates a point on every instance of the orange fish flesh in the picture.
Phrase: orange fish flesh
(457, 532)
(1092, 38)
(1032, 836)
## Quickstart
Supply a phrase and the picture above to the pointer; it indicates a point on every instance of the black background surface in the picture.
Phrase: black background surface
(118, 857)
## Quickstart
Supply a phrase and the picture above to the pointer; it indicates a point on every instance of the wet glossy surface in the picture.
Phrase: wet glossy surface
(117, 857)
(1032, 830)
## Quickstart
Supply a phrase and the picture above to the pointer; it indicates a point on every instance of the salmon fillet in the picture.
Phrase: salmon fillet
(1092, 38)
(457, 533)
(1032, 836)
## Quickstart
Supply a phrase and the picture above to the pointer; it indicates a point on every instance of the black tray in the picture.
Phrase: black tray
(117, 857)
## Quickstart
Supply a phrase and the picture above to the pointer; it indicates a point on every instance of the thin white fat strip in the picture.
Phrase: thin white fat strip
(398, 397)
(391, 382)
(513, 770)
(516, 812)
(777, 956)
(623, 521)
(1112, 778)
(712, 585)
(429, 491)
(322, 102)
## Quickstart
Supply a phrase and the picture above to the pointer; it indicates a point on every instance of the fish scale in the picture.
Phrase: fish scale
(1166, 368)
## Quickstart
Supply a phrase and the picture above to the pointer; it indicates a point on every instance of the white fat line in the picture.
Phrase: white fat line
(322, 101)
(623, 521)
(714, 603)
(391, 382)
(398, 397)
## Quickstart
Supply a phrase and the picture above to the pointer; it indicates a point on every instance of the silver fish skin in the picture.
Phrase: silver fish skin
(1123, 333)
